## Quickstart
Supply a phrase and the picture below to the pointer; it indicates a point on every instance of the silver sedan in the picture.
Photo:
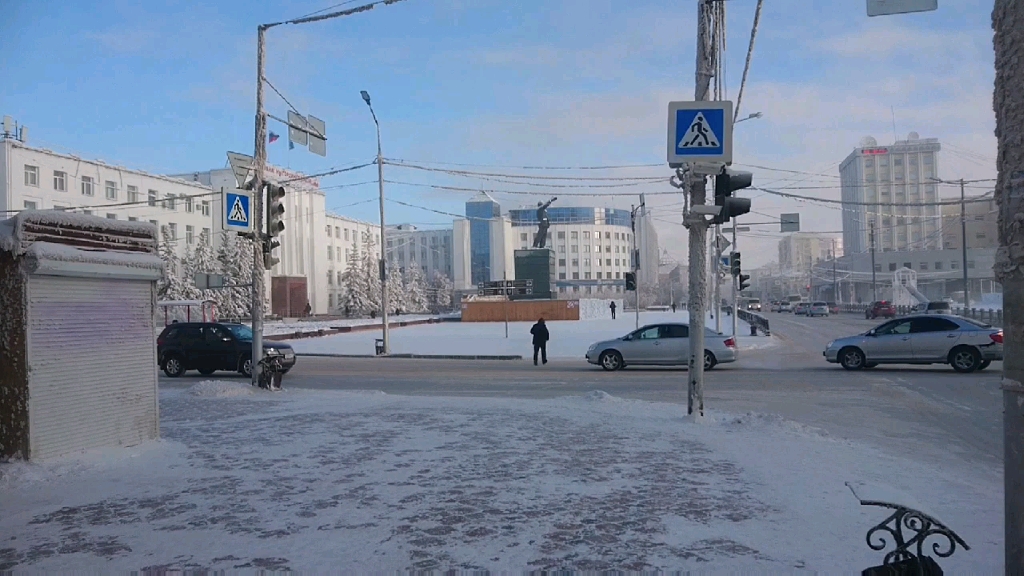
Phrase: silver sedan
(661, 345)
(967, 345)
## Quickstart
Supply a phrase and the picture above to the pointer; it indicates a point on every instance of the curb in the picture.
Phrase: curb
(415, 356)
(297, 335)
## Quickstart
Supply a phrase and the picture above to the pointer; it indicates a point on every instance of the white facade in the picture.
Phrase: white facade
(35, 178)
(886, 178)
(345, 237)
(462, 274)
(799, 251)
(431, 250)
(649, 250)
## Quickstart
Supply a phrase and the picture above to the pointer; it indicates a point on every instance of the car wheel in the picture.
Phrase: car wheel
(984, 364)
(611, 360)
(174, 367)
(851, 358)
(206, 371)
(709, 360)
(965, 359)
(246, 367)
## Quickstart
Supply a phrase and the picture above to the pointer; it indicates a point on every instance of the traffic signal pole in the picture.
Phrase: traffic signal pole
(735, 302)
(260, 163)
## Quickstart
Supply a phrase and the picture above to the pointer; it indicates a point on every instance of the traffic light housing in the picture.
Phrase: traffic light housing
(275, 209)
(743, 282)
(269, 261)
(630, 281)
(734, 263)
(727, 182)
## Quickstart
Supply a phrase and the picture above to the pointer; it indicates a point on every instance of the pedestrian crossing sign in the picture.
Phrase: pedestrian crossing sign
(237, 210)
(699, 131)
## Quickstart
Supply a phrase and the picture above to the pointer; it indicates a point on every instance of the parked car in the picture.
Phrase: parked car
(937, 307)
(785, 307)
(212, 346)
(880, 309)
(660, 345)
(817, 309)
(800, 308)
(967, 345)
(833, 308)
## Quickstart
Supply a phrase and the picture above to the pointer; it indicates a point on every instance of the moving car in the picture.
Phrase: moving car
(785, 307)
(833, 308)
(660, 345)
(880, 309)
(937, 307)
(800, 308)
(754, 304)
(817, 309)
(967, 345)
(212, 346)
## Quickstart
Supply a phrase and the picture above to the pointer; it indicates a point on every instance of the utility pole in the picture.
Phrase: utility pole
(716, 278)
(1008, 101)
(698, 227)
(260, 161)
(735, 280)
(963, 238)
(874, 284)
(384, 295)
(636, 263)
(835, 289)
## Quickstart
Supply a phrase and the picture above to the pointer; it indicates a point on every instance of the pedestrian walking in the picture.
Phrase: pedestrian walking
(540, 341)
(612, 307)
(673, 307)
(308, 311)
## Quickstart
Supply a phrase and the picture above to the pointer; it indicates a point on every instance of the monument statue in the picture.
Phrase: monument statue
(543, 223)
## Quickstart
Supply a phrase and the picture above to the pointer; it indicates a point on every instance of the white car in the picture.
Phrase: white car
(786, 307)
(818, 309)
(660, 345)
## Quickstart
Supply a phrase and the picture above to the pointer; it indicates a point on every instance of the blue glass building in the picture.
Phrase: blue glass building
(480, 211)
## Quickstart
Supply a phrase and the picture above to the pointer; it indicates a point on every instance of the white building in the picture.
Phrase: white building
(345, 238)
(39, 179)
(799, 251)
(885, 178)
(431, 250)
(648, 249)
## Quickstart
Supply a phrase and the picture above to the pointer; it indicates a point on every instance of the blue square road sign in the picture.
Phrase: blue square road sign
(237, 210)
(699, 131)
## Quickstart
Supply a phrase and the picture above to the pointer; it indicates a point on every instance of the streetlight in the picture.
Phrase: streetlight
(750, 116)
(383, 252)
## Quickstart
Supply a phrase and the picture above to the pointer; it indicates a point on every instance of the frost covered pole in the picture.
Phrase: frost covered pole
(260, 161)
(1008, 103)
(698, 227)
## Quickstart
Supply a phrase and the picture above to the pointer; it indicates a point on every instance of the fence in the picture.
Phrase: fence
(988, 315)
(755, 320)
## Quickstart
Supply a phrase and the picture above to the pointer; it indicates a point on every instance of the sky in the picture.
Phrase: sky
(168, 86)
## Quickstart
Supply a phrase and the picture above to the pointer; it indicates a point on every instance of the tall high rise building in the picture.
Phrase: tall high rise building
(480, 211)
(878, 183)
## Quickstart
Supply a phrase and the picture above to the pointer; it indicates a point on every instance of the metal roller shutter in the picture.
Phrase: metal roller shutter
(92, 364)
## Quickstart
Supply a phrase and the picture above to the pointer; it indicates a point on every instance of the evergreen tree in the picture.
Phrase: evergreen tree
(171, 286)
(416, 290)
(354, 285)
(396, 291)
(441, 292)
(370, 276)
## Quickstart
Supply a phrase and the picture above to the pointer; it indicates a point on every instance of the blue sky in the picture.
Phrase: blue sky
(168, 86)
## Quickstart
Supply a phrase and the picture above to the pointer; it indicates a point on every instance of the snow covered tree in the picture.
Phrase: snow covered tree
(396, 291)
(235, 259)
(441, 293)
(171, 286)
(416, 299)
(200, 260)
(354, 285)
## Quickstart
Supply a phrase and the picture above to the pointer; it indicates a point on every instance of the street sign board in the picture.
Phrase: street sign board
(723, 243)
(209, 281)
(237, 210)
(888, 7)
(242, 166)
(317, 135)
(297, 127)
(790, 222)
(699, 131)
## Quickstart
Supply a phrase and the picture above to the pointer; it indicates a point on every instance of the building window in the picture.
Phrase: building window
(575, 262)
(575, 275)
(87, 212)
(337, 231)
(574, 235)
(31, 175)
(330, 252)
(172, 229)
(330, 300)
(608, 249)
(586, 235)
(586, 261)
(561, 235)
(29, 205)
(561, 289)
(586, 275)
(586, 248)
(60, 181)
(954, 265)
(328, 230)
(152, 197)
(892, 267)
(617, 262)
(206, 235)
(618, 275)
(339, 278)
(87, 186)
(970, 263)
(346, 233)
(598, 275)
(111, 188)
(190, 235)
(575, 288)
(189, 204)
(561, 262)
(575, 249)
(171, 202)
(608, 262)
(616, 235)
(878, 267)
(133, 193)
(561, 248)
(607, 235)
(330, 277)
(938, 265)
(561, 275)
(922, 266)
(111, 216)
(205, 205)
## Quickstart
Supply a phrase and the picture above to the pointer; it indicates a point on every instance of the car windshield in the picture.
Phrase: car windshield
(240, 331)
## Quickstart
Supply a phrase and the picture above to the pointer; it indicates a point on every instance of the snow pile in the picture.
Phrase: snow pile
(220, 389)
(67, 253)
(328, 481)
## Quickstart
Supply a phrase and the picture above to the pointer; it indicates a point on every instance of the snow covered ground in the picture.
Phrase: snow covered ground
(289, 327)
(569, 339)
(327, 481)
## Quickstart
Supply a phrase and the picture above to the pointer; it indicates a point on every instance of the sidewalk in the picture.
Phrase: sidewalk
(316, 481)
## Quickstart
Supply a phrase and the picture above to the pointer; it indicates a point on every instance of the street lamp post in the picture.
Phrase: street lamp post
(749, 117)
(383, 251)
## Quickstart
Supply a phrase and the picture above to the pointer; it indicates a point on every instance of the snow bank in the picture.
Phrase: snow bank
(66, 253)
(220, 389)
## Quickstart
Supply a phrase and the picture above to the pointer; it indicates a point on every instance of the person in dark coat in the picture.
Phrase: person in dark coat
(612, 307)
(540, 341)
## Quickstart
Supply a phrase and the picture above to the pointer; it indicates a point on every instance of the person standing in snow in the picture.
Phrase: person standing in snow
(540, 341)
(612, 307)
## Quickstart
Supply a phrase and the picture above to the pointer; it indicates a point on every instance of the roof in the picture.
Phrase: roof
(67, 237)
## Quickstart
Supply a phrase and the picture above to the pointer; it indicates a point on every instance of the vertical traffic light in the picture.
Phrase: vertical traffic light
(734, 263)
(275, 223)
(630, 281)
(727, 182)
(743, 281)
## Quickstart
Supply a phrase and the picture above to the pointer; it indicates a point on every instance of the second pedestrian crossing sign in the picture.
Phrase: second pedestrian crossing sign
(237, 210)
(699, 131)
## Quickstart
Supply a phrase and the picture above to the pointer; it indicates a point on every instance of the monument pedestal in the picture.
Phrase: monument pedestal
(537, 264)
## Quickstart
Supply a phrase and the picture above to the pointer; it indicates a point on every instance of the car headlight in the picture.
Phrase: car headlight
(829, 345)
(592, 348)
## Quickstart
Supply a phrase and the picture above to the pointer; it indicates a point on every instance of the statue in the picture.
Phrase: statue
(543, 223)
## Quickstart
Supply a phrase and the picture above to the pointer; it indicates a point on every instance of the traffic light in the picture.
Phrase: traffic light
(275, 209)
(743, 280)
(630, 281)
(734, 263)
(269, 261)
(727, 182)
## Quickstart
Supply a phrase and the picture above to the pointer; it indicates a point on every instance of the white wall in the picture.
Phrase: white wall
(343, 235)
(461, 263)
(503, 249)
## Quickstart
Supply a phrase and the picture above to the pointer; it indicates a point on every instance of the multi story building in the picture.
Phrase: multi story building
(982, 220)
(346, 240)
(431, 250)
(799, 251)
(480, 212)
(878, 183)
(39, 179)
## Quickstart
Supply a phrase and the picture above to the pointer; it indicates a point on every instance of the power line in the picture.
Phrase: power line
(471, 173)
(974, 199)
(610, 167)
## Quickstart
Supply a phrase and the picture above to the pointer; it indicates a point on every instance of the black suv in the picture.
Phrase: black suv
(212, 346)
